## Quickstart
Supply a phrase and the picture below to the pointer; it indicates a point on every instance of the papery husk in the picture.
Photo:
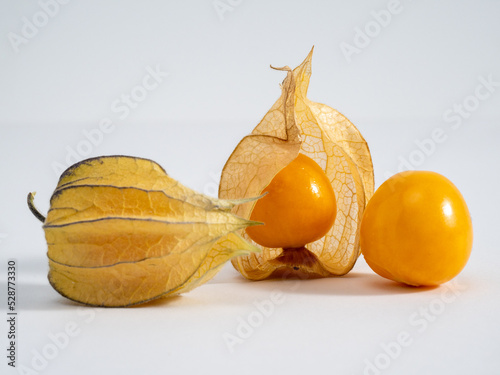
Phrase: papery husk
(293, 125)
(121, 232)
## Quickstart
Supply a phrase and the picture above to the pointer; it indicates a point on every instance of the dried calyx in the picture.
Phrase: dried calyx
(121, 232)
(294, 125)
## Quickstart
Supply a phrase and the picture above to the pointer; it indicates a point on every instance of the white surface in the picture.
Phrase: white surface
(65, 80)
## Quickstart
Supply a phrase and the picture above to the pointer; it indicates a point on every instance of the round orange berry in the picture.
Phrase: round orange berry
(417, 229)
(299, 208)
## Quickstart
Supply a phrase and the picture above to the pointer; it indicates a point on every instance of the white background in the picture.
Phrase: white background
(426, 59)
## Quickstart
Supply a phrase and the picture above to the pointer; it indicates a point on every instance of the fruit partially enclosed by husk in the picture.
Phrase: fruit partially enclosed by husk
(121, 232)
(294, 125)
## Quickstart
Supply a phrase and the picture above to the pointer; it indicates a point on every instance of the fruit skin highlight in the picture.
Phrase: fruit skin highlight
(300, 206)
(417, 229)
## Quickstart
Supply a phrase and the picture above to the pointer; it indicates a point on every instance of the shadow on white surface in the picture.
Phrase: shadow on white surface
(352, 284)
(39, 297)
(42, 297)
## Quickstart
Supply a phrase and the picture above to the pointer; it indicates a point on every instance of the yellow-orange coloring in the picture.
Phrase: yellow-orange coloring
(300, 206)
(417, 229)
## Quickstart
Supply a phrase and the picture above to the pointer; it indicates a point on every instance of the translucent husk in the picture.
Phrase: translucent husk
(293, 125)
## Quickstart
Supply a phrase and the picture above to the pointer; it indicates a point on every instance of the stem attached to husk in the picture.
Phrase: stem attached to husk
(33, 209)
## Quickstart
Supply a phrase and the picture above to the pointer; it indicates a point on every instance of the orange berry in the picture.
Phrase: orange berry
(417, 229)
(300, 206)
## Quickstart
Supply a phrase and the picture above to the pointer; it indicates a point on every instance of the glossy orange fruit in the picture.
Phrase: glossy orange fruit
(417, 229)
(300, 206)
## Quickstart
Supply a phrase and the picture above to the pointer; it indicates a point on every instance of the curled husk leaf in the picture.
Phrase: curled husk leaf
(293, 125)
(121, 232)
